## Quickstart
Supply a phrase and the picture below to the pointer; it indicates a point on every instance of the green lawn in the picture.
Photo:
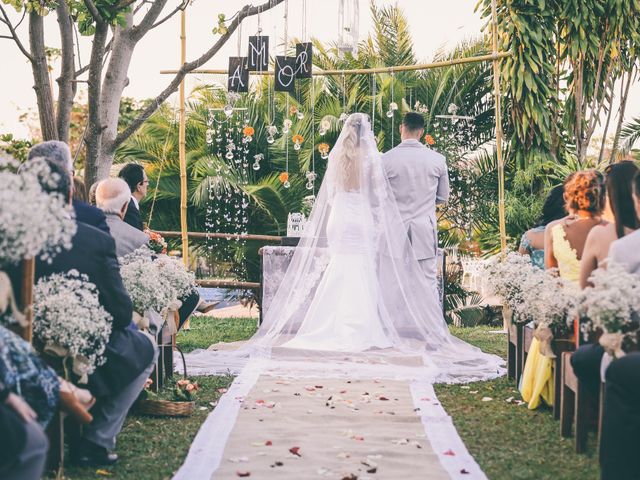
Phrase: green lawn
(508, 441)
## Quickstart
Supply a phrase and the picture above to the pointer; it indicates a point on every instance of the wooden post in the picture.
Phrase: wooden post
(498, 107)
(182, 144)
(26, 297)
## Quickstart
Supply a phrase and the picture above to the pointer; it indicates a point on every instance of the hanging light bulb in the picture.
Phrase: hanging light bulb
(286, 125)
(389, 113)
(286, 184)
(228, 155)
(270, 139)
(228, 110)
(300, 115)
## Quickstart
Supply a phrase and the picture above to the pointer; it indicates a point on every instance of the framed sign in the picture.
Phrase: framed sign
(285, 74)
(258, 55)
(238, 80)
(304, 59)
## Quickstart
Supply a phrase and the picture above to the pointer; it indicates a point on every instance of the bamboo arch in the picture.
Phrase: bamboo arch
(494, 57)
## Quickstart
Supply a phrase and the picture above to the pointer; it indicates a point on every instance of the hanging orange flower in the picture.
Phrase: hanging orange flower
(248, 131)
(297, 138)
(429, 139)
(323, 148)
(293, 110)
(284, 177)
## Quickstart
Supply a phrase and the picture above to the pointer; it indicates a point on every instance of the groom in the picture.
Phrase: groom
(419, 181)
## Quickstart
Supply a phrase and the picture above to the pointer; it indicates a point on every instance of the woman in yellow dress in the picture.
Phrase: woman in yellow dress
(584, 193)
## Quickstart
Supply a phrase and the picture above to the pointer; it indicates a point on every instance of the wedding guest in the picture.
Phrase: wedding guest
(532, 242)
(92, 194)
(113, 198)
(59, 152)
(564, 240)
(130, 354)
(79, 190)
(564, 243)
(136, 178)
(619, 213)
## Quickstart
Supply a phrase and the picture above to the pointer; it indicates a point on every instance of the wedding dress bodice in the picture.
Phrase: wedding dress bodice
(350, 226)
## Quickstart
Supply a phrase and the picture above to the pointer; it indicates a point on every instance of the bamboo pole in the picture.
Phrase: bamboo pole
(228, 284)
(182, 144)
(498, 106)
(205, 236)
(359, 71)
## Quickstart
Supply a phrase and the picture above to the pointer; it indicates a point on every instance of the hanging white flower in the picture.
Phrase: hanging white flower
(45, 227)
(69, 320)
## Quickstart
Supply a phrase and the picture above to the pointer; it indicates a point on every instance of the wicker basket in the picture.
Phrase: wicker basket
(167, 408)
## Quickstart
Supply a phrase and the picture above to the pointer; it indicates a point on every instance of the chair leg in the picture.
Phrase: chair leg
(511, 359)
(557, 380)
(520, 355)
(581, 419)
(567, 405)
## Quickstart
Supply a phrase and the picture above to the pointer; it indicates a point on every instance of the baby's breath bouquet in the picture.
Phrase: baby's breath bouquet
(32, 221)
(155, 282)
(69, 320)
(611, 306)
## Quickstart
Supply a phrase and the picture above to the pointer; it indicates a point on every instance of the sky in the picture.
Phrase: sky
(434, 24)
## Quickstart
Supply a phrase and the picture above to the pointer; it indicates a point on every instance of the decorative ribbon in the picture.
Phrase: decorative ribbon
(142, 322)
(8, 300)
(544, 335)
(507, 314)
(80, 365)
(612, 343)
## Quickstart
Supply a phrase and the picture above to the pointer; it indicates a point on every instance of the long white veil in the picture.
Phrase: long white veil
(356, 216)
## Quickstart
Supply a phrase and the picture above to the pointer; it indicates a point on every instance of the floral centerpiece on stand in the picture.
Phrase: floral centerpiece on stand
(611, 309)
(69, 321)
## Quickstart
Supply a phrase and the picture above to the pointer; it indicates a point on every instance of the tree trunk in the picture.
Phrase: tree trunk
(66, 86)
(41, 83)
(623, 107)
(93, 138)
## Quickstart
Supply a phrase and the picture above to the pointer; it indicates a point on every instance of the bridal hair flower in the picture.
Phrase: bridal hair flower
(429, 139)
(70, 321)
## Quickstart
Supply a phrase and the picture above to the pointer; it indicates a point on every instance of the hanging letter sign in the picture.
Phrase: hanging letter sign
(285, 74)
(238, 80)
(258, 53)
(304, 59)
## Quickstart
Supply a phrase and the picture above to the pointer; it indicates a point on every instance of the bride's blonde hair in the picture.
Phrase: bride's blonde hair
(349, 161)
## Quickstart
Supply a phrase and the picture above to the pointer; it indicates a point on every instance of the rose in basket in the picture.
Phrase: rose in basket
(157, 243)
(70, 322)
(45, 227)
(611, 307)
(185, 391)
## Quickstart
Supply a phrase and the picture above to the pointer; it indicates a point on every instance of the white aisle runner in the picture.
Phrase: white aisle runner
(272, 427)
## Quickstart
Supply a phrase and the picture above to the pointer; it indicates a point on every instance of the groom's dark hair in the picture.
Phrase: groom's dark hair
(413, 121)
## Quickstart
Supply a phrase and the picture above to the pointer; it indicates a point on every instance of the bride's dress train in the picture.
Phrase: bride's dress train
(343, 315)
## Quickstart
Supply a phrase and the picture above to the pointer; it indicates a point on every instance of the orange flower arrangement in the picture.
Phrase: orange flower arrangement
(429, 139)
(297, 138)
(156, 242)
(284, 177)
(248, 131)
(323, 148)
(293, 110)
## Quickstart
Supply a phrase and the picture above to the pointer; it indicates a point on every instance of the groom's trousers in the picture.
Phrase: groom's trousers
(429, 267)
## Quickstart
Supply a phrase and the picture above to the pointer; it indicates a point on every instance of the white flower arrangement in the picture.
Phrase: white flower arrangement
(155, 283)
(32, 222)
(611, 306)
(69, 320)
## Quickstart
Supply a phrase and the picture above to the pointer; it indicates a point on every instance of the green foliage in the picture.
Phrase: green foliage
(17, 148)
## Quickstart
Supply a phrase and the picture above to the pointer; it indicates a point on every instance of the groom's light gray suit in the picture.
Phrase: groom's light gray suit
(419, 180)
(626, 250)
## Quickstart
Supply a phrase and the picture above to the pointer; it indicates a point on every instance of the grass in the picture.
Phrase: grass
(508, 441)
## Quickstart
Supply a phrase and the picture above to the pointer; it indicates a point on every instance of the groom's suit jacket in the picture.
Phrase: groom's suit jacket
(419, 180)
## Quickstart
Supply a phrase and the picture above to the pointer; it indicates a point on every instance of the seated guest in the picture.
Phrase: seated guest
(113, 197)
(619, 213)
(59, 152)
(79, 190)
(136, 178)
(564, 242)
(532, 242)
(23, 443)
(130, 354)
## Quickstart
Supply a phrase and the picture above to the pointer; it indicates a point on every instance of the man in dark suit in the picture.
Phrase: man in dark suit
(130, 353)
(59, 152)
(136, 178)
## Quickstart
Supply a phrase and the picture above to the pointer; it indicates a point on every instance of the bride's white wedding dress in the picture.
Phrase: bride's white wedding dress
(343, 315)
(354, 301)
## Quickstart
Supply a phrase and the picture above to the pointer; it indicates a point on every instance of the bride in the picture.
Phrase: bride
(354, 300)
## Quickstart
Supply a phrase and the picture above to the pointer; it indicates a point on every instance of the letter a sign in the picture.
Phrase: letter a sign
(258, 53)
(238, 80)
(285, 74)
